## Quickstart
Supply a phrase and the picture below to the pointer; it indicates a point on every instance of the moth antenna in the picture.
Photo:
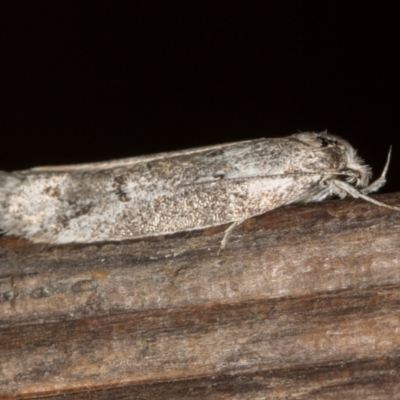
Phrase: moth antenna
(352, 191)
(378, 183)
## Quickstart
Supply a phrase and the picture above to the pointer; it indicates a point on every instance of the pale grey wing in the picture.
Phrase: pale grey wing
(186, 208)
(158, 194)
(131, 161)
(189, 190)
(101, 211)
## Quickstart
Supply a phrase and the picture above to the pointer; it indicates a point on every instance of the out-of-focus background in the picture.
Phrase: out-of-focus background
(86, 81)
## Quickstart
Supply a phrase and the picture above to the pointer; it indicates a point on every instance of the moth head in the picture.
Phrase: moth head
(355, 171)
(359, 173)
(352, 168)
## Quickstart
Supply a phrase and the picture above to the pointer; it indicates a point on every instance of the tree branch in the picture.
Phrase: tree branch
(302, 303)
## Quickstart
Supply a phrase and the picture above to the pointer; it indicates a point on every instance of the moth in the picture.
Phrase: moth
(180, 191)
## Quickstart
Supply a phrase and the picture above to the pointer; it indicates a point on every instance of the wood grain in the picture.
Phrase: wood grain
(303, 303)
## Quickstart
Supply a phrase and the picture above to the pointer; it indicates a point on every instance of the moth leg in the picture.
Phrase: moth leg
(228, 232)
(378, 183)
(352, 191)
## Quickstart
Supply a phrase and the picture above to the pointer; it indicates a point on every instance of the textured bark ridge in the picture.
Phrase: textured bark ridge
(303, 303)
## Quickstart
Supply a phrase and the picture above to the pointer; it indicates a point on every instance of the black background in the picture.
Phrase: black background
(86, 81)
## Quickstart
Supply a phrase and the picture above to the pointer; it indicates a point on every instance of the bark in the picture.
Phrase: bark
(303, 303)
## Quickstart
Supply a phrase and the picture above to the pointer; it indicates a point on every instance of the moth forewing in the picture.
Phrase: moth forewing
(179, 191)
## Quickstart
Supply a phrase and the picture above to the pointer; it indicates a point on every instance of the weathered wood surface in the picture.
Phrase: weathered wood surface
(304, 303)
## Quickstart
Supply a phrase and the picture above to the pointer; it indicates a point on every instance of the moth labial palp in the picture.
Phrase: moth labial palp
(180, 191)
